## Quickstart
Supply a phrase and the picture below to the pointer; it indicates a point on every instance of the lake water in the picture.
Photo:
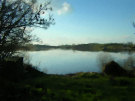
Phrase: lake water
(68, 61)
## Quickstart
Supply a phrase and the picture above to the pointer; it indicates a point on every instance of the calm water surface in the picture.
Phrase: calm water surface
(69, 61)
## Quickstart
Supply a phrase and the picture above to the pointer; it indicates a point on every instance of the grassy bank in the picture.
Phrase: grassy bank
(36, 86)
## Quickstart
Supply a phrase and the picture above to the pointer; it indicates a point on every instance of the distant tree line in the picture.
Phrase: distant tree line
(87, 47)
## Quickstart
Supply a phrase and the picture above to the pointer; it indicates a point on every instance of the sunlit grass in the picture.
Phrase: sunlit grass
(78, 87)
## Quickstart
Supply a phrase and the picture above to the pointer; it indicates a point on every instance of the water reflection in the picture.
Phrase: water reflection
(67, 61)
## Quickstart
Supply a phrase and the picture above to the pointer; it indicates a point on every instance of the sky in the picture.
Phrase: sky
(90, 21)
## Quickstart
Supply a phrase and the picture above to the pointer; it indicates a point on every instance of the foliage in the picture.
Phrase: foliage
(16, 19)
(77, 87)
(103, 59)
(114, 69)
(129, 63)
(110, 47)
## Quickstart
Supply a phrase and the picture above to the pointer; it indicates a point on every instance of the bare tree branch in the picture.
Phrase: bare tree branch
(15, 17)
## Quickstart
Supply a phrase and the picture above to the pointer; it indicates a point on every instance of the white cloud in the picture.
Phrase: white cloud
(66, 7)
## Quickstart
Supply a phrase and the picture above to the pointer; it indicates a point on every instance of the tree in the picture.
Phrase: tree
(16, 17)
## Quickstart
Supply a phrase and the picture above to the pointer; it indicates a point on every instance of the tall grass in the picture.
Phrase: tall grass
(103, 59)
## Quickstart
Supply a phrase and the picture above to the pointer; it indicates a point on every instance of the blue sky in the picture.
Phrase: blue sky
(88, 21)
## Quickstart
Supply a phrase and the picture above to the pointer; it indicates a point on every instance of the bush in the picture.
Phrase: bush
(114, 69)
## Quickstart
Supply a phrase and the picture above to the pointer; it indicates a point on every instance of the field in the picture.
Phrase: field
(36, 86)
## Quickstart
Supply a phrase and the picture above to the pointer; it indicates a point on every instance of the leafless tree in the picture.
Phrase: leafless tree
(16, 16)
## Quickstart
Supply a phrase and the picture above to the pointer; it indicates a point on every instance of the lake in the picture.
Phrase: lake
(59, 61)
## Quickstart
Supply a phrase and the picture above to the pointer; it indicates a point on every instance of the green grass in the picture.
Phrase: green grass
(78, 87)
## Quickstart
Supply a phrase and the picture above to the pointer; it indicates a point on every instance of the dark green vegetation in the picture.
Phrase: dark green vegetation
(33, 85)
(21, 82)
(114, 47)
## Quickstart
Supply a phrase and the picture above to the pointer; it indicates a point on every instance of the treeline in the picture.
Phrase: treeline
(104, 47)
(85, 47)
(36, 47)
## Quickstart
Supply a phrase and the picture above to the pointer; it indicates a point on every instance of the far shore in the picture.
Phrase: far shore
(109, 47)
